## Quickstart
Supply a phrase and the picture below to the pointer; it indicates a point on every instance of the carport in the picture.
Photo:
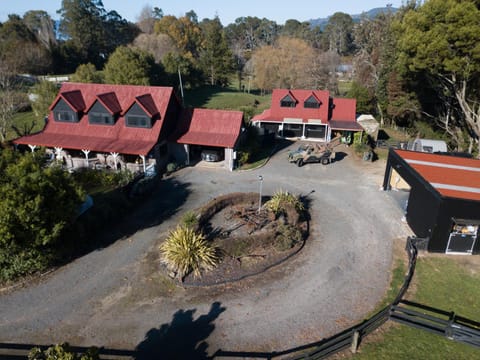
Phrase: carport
(444, 201)
(208, 129)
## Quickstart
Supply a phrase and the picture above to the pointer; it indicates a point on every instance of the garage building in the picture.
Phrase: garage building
(444, 200)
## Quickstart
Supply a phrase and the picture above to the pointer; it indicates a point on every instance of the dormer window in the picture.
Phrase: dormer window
(138, 121)
(288, 101)
(100, 118)
(99, 115)
(63, 112)
(311, 103)
(67, 116)
(137, 117)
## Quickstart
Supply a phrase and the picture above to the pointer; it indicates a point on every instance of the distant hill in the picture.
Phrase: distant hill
(322, 22)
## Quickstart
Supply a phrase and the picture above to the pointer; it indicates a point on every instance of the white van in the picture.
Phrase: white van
(427, 145)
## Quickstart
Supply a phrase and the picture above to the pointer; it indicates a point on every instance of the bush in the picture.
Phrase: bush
(190, 220)
(171, 167)
(185, 251)
(93, 179)
(287, 236)
(277, 204)
(62, 352)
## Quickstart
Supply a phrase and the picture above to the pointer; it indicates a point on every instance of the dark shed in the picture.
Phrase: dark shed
(444, 200)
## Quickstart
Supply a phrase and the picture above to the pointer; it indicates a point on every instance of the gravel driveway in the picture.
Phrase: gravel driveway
(115, 297)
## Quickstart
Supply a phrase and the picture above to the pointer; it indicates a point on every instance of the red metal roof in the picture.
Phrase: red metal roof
(105, 138)
(147, 103)
(343, 110)
(451, 176)
(110, 101)
(210, 127)
(73, 98)
(345, 125)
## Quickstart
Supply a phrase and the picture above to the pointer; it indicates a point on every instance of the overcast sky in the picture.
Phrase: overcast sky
(227, 10)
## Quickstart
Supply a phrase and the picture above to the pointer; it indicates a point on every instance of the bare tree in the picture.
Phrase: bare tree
(156, 44)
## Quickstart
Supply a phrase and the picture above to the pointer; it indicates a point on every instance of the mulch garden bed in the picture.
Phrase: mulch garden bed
(249, 241)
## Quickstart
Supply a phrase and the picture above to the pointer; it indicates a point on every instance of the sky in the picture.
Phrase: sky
(227, 10)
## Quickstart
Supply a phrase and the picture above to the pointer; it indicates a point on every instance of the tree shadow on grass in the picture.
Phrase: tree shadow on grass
(108, 223)
(183, 338)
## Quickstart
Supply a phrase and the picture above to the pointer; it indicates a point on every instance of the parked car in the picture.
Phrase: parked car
(211, 155)
(311, 154)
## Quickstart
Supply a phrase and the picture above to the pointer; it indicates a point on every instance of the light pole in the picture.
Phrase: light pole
(260, 178)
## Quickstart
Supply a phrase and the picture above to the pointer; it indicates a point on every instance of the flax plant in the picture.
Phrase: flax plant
(186, 251)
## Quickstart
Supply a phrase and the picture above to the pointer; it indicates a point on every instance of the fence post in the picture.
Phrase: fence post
(355, 338)
(449, 328)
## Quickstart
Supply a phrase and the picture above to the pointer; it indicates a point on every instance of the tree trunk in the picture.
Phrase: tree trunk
(470, 111)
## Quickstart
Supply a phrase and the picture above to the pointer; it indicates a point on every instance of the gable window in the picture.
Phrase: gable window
(66, 116)
(288, 101)
(100, 118)
(311, 103)
(64, 112)
(138, 121)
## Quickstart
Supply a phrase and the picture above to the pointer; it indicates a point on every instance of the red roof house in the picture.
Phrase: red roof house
(126, 122)
(99, 118)
(308, 114)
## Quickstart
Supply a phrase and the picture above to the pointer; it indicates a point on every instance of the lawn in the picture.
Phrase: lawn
(215, 97)
(26, 123)
(446, 283)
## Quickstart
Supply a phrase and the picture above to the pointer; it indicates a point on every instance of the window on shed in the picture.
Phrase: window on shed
(100, 118)
(288, 101)
(66, 116)
(138, 121)
(311, 103)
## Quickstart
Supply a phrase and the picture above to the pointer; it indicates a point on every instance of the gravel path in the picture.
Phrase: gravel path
(114, 297)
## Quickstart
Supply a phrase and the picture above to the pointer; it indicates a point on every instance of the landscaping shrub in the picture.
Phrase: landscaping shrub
(287, 237)
(186, 251)
(190, 220)
(171, 167)
(62, 352)
(277, 204)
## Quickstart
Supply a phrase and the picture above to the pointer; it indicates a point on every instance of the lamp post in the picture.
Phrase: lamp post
(260, 178)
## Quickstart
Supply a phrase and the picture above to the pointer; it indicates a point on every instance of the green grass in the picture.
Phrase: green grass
(344, 87)
(448, 284)
(22, 121)
(215, 97)
(259, 158)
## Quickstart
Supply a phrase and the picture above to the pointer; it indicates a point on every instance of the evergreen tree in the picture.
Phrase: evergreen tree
(216, 58)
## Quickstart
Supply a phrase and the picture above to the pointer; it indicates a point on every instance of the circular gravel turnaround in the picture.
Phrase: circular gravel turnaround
(114, 297)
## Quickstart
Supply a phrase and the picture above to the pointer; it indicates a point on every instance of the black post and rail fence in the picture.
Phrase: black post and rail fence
(436, 321)
(423, 317)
